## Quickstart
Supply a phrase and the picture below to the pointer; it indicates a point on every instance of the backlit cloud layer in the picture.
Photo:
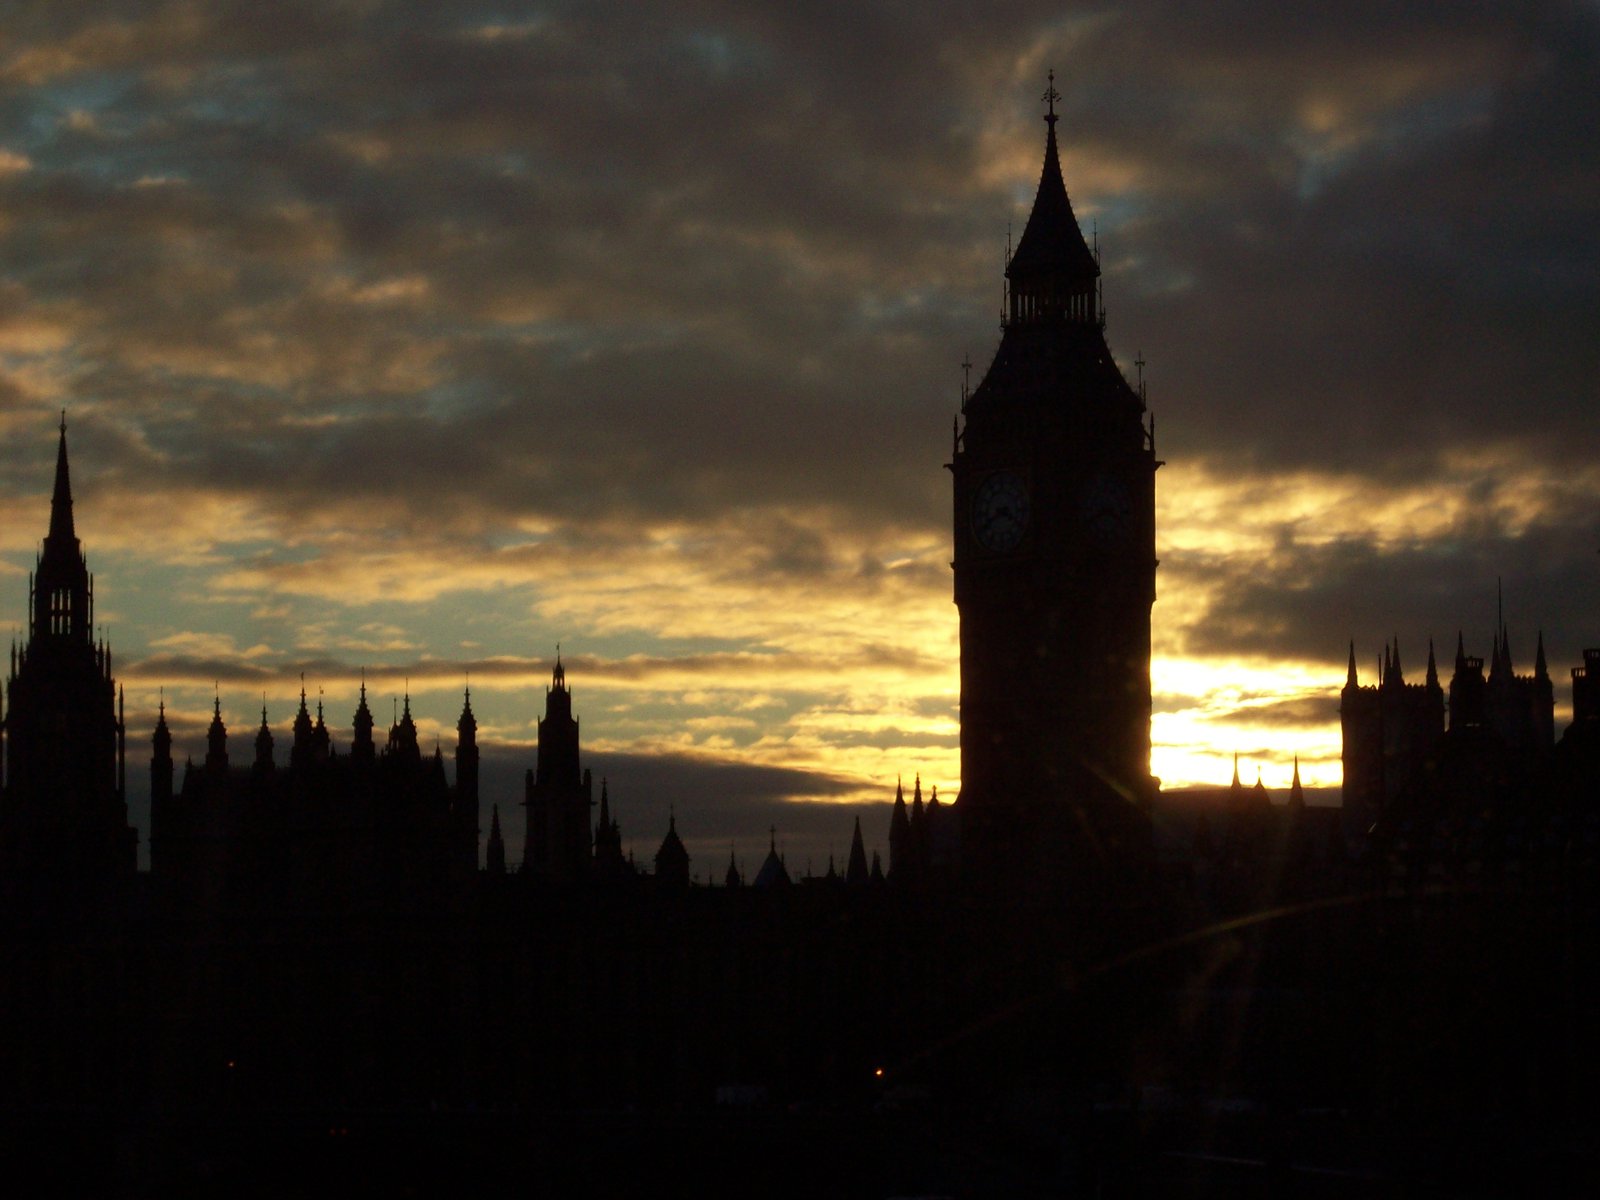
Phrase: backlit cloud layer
(412, 339)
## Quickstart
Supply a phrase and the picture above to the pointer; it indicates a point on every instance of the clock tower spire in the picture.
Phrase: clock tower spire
(1054, 528)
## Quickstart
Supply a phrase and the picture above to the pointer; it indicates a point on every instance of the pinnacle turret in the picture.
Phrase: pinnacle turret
(856, 869)
(61, 524)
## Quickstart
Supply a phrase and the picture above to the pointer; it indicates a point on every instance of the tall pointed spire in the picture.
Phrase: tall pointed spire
(61, 526)
(1053, 273)
(495, 853)
(217, 738)
(1541, 668)
(1350, 675)
(856, 871)
(264, 741)
(1433, 667)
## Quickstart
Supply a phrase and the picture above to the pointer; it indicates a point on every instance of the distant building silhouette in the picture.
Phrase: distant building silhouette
(65, 841)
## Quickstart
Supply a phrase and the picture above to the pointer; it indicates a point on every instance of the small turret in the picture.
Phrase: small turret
(856, 870)
(899, 833)
(773, 873)
(672, 860)
(161, 758)
(362, 749)
(495, 854)
(303, 747)
(263, 763)
(217, 739)
(321, 743)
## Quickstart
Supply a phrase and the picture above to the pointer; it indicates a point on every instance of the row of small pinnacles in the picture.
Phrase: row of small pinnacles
(921, 836)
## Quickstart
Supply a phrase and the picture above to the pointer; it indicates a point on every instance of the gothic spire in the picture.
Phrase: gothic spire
(856, 869)
(264, 740)
(217, 738)
(1053, 272)
(495, 853)
(1433, 666)
(61, 526)
(1350, 675)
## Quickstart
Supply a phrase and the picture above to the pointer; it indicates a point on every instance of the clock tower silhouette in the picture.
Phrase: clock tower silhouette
(1054, 472)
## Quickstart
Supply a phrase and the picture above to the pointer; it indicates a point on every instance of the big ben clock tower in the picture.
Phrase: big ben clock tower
(1055, 565)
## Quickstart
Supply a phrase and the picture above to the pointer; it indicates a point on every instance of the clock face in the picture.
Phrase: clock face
(1107, 507)
(1000, 512)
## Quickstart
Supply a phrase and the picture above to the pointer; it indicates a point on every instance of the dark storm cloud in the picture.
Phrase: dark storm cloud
(711, 253)
(1421, 275)
(1316, 598)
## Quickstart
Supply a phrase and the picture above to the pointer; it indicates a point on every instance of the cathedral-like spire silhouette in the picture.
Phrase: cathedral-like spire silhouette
(61, 524)
(63, 592)
(362, 749)
(773, 872)
(856, 869)
(217, 739)
(264, 741)
(495, 854)
(1053, 274)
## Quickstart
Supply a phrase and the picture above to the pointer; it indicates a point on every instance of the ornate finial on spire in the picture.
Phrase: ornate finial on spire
(1050, 97)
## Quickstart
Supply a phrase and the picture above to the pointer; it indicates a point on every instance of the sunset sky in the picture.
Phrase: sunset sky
(418, 338)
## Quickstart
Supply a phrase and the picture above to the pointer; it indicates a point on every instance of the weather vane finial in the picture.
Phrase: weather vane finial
(1050, 97)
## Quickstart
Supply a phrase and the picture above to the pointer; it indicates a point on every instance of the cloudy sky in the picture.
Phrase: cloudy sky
(418, 338)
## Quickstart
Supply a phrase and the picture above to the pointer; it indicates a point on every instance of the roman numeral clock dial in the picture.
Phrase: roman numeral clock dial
(1000, 512)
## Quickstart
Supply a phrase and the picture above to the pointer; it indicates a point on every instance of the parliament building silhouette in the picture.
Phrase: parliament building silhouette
(315, 946)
